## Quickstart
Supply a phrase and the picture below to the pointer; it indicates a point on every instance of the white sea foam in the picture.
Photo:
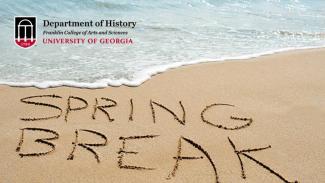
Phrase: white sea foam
(143, 76)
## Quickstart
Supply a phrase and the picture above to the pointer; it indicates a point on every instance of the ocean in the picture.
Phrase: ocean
(168, 34)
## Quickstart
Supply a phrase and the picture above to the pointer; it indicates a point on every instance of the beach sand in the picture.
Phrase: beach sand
(274, 102)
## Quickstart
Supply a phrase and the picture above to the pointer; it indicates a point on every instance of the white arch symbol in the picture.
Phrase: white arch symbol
(25, 28)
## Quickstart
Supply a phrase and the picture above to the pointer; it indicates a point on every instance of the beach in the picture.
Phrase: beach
(254, 120)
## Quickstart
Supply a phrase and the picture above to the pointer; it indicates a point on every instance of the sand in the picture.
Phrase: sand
(267, 113)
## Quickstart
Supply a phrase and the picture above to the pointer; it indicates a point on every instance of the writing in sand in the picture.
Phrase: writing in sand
(101, 106)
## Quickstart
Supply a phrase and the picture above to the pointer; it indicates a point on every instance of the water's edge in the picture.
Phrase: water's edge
(145, 75)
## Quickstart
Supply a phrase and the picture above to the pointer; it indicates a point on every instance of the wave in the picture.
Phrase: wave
(307, 34)
(145, 75)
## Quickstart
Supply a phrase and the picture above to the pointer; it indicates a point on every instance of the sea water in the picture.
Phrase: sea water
(168, 34)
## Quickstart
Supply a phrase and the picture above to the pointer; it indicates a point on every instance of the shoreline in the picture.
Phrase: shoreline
(148, 74)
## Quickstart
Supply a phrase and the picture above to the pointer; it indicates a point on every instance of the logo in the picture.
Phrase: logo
(25, 31)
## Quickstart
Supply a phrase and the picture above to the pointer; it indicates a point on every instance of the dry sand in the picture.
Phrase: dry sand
(283, 94)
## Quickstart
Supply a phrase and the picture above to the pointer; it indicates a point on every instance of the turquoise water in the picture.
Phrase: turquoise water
(168, 34)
